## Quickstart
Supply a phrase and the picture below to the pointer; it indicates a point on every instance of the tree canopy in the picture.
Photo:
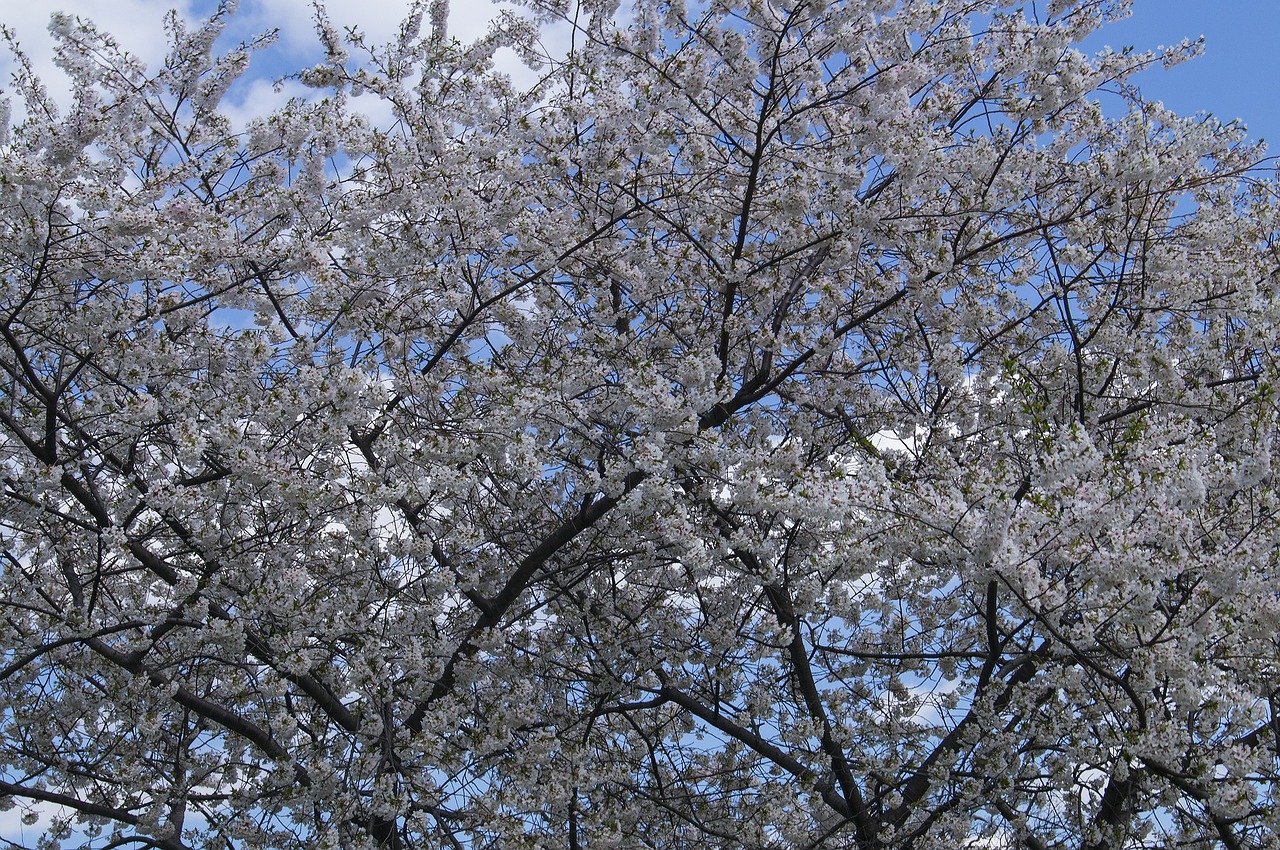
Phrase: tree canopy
(788, 424)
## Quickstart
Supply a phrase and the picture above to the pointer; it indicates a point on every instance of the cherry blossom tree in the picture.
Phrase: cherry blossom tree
(788, 424)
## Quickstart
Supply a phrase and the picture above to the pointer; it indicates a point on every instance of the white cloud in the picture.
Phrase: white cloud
(378, 20)
(138, 26)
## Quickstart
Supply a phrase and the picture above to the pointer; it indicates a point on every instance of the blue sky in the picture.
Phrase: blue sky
(1239, 74)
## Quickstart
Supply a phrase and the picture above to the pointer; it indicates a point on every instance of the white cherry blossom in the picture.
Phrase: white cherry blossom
(783, 425)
